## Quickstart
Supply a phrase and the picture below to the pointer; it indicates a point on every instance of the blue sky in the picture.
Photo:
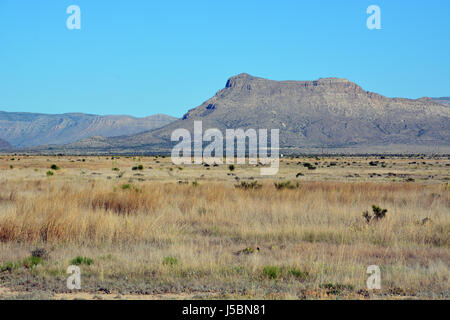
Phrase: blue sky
(142, 57)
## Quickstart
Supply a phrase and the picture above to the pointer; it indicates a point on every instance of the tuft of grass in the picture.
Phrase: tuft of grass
(31, 262)
(11, 166)
(115, 169)
(49, 173)
(272, 272)
(125, 186)
(297, 273)
(82, 260)
(170, 261)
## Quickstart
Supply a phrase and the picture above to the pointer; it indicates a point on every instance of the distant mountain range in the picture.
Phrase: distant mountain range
(328, 115)
(22, 129)
(444, 100)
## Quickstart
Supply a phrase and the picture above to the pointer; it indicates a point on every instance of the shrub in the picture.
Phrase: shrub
(249, 185)
(49, 173)
(126, 186)
(82, 260)
(378, 214)
(40, 253)
(11, 166)
(54, 167)
(286, 185)
(115, 169)
(170, 261)
(271, 272)
(231, 167)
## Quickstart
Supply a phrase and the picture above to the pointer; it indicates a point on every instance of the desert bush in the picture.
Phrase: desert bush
(115, 169)
(54, 167)
(49, 173)
(231, 167)
(249, 185)
(286, 185)
(378, 214)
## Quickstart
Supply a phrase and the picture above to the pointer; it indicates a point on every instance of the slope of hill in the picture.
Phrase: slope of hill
(313, 116)
(443, 100)
(31, 129)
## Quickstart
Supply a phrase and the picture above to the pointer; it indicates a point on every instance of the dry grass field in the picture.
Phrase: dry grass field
(143, 227)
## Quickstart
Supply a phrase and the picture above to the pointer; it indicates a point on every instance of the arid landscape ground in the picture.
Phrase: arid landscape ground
(144, 228)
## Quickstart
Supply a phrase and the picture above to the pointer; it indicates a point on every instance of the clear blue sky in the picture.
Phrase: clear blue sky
(142, 57)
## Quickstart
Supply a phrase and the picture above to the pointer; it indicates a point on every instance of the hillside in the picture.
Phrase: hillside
(23, 129)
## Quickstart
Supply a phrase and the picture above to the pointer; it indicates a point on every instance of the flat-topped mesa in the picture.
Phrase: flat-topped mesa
(249, 82)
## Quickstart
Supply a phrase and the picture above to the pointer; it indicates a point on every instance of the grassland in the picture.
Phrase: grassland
(141, 227)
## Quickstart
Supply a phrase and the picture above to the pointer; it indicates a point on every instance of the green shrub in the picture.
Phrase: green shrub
(31, 262)
(126, 186)
(49, 173)
(82, 260)
(115, 169)
(286, 185)
(231, 167)
(54, 167)
(170, 261)
(272, 272)
(11, 166)
(378, 214)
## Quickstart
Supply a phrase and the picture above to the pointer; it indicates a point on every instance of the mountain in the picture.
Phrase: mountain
(31, 129)
(4, 145)
(325, 115)
(443, 100)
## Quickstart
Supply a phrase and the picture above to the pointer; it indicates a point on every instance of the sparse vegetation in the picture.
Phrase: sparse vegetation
(82, 261)
(209, 230)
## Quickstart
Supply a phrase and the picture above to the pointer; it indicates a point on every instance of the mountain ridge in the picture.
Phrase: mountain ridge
(327, 113)
(23, 129)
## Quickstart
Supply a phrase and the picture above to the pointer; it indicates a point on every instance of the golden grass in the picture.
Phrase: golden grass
(317, 227)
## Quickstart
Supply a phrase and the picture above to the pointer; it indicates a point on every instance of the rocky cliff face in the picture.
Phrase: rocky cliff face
(31, 129)
(327, 114)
